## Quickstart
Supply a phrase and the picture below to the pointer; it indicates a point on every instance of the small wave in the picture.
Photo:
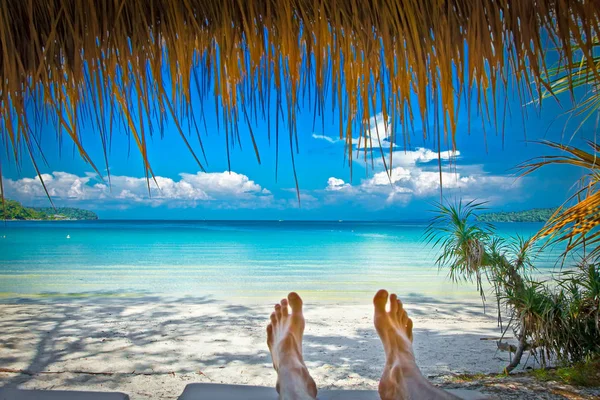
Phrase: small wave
(373, 235)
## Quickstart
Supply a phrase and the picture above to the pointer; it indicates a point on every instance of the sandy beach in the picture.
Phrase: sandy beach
(151, 347)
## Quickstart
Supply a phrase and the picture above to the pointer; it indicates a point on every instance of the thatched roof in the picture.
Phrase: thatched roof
(138, 62)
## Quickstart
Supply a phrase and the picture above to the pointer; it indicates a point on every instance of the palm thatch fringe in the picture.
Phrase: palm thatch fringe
(140, 62)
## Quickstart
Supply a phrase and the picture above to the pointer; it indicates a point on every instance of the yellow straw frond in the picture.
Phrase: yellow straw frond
(139, 63)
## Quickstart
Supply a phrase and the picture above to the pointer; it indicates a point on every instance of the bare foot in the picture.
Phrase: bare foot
(284, 338)
(401, 377)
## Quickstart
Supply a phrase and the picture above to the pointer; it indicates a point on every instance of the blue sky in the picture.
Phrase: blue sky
(482, 169)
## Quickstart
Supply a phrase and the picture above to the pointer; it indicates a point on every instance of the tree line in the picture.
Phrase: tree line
(13, 210)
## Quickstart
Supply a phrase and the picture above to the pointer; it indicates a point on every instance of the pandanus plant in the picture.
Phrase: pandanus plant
(462, 242)
(471, 252)
(554, 319)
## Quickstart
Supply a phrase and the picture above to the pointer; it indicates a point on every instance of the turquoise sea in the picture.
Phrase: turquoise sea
(336, 261)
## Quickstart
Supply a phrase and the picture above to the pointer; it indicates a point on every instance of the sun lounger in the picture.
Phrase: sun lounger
(211, 391)
(18, 394)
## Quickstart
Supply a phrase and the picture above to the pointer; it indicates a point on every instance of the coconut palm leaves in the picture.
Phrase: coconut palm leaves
(93, 65)
(577, 222)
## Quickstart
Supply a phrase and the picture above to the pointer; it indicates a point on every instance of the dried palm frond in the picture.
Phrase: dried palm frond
(94, 64)
(577, 224)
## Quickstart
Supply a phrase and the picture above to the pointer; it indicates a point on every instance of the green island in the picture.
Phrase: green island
(533, 215)
(13, 210)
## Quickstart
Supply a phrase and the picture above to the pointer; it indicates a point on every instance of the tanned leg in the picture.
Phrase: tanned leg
(401, 377)
(284, 338)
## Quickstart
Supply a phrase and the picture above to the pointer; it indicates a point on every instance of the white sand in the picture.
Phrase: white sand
(153, 347)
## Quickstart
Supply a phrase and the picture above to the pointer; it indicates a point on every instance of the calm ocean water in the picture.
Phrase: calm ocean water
(245, 259)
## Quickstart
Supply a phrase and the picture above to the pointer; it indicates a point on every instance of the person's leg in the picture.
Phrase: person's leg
(401, 377)
(284, 338)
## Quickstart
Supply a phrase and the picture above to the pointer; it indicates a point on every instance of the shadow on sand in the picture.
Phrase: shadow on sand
(106, 339)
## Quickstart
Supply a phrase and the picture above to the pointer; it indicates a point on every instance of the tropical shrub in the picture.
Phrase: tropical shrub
(554, 319)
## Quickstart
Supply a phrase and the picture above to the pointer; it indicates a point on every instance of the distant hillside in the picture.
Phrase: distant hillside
(534, 215)
(13, 210)
(66, 213)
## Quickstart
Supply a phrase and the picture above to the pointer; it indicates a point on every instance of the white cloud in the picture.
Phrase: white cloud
(413, 174)
(395, 175)
(418, 156)
(411, 180)
(376, 128)
(326, 138)
(218, 189)
(334, 184)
